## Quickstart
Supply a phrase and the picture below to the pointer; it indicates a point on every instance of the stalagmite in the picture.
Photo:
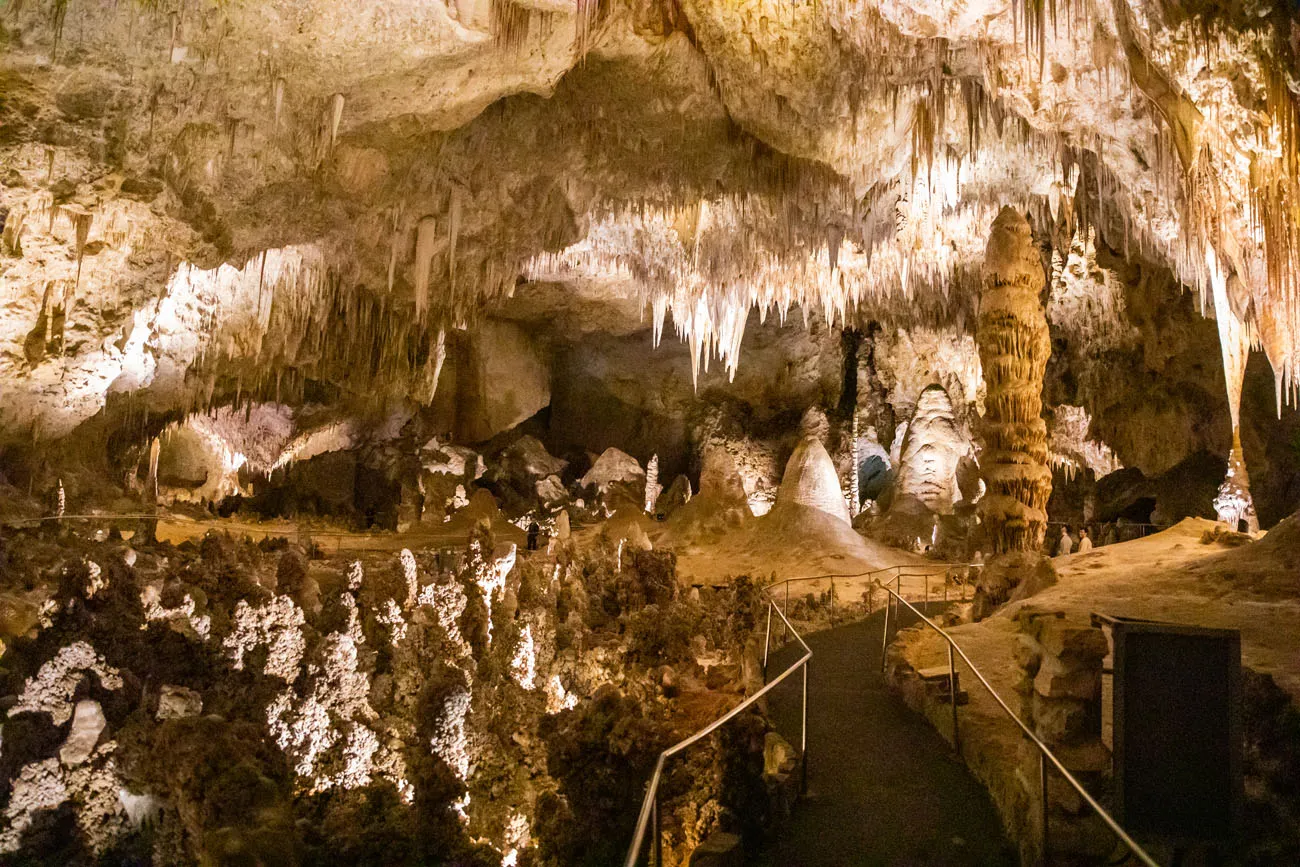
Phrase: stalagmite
(1233, 502)
(930, 451)
(810, 480)
(855, 496)
(1014, 347)
(652, 486)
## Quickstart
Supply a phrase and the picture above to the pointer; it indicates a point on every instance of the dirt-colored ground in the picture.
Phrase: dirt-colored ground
(1175, 576)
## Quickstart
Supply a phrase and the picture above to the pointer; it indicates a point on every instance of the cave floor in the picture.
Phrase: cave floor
(768, 548)
(1171, 576)
(1175, 576)
(883, 787)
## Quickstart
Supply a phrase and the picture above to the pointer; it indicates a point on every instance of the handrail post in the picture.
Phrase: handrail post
(832, 596)
(657, 847)
(767, 638)
(952, 697)
(803, 734)
(884, 636)
(1042, 784)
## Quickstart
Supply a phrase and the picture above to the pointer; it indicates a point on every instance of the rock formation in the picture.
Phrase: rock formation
(348, 271)
(1014, 348)
(617, 479)
(652, 486)
(931, 449)
(810, 480)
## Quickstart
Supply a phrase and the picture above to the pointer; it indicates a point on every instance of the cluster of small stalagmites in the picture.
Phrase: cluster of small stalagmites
(1014, 347)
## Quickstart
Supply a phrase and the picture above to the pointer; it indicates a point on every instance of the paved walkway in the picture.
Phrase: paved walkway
(883, 787)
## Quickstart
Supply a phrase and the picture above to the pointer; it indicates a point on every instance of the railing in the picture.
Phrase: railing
(14, 524)
(649, 816)
(1144, 529)
(944, 569)
(296, 534)
(648, 819)
(1046, 758)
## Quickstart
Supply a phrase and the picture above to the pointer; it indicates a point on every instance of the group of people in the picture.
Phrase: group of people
(1067, 545)
(1107, 534)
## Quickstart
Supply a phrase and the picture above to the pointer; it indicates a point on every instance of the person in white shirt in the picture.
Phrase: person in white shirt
(1085, 544)
(1066, 545)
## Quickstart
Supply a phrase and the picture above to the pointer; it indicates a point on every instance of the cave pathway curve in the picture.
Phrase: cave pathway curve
(883, 787)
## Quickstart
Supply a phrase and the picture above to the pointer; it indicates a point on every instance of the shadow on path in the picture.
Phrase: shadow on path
(883, 787)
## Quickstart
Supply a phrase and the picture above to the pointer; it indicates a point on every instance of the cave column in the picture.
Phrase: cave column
(850, 341)
(1014, 347)
(1233, 502)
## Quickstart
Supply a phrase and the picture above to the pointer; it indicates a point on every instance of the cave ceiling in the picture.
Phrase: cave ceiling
(195, 191)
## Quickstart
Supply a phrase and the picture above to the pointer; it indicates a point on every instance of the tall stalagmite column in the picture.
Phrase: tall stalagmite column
(1014, 347)
(1233, 503)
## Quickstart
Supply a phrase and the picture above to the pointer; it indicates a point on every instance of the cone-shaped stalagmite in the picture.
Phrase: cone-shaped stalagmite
(1014, 347)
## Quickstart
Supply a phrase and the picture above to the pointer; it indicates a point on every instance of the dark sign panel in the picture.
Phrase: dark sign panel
(1178, 730)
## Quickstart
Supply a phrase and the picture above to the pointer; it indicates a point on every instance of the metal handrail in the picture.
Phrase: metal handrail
(297, 534)
(1045, 755)
(943, 568)
(105, 517)
(649, 814)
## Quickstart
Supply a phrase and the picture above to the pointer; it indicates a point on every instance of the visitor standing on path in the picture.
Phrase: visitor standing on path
(1066, 545)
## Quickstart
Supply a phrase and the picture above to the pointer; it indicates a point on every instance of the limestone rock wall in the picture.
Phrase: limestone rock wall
(504, 378)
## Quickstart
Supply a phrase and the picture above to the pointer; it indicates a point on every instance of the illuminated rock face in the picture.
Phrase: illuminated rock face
(810, 480)
(1014, 348)
(931, 449)
(505, 380)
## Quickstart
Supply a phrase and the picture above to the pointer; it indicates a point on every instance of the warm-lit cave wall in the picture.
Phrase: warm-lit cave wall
(621, 391)
(1157, 400)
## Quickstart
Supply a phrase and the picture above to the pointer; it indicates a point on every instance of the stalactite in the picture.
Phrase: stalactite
(1233, 501)
(277, 102)
(81, 221)
(453, 234)
(397, 242)
(426, 241)
(335, 118)
(151, 485)
(1014, 347)
(511, 24)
